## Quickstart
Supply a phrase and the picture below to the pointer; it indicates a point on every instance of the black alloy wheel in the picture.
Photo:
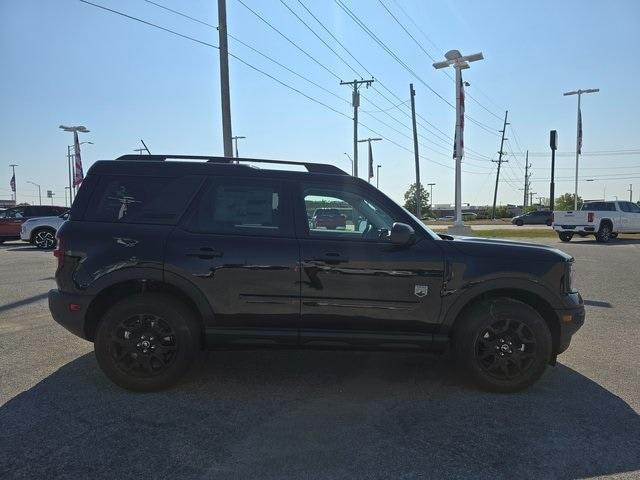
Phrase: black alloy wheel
(143, 345)
(506, 349)
(565, 236)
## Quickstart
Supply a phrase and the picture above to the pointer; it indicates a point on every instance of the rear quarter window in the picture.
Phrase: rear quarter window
(135, 199)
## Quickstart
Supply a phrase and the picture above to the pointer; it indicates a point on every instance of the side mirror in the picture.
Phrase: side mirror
(401, 234)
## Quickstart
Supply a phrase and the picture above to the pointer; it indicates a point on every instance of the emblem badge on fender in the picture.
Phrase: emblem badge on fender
(421, 290)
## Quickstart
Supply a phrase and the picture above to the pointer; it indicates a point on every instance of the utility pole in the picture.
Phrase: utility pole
(351, 160)
(355, 101)
(499, 161)
(378, 177)
(412, 94)
(579, 136)
(369, 140)
(526, 179)
(630, 192)
(15, 183)
(430, 185)
(224, 78)
(235, 141)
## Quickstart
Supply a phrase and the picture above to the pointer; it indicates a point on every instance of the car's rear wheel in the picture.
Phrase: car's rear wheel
(549, 223)
(519, 223)
(44, 238)
(604, 234)
(503, 344)
(146, 342)
(565, 236)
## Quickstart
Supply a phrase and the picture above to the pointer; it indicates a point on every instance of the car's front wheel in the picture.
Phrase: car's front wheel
(503, 344)
(519, 223)
(146, 342)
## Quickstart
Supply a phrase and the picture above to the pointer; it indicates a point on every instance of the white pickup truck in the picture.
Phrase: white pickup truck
(602, 219)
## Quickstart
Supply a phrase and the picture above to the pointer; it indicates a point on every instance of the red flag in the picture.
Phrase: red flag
(12, 183)
(579, 131)
(459, 121)
(79, 176)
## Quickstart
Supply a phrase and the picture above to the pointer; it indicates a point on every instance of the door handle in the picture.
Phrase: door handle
(331, 258)
(203, 252)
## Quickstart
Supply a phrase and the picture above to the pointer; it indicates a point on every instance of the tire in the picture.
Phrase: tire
(519, 223)
(502, 344)
(44, 238)
(565, 236)
(146, 342)
(604, 234)
(549, 223)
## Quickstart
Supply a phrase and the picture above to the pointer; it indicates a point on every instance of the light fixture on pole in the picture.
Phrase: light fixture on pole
(351, 160)
(459, 62)
(39, 191)
(579, 135)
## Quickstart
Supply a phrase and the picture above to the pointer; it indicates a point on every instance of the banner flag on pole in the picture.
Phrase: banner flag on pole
(78, 175)
(12, 183)
(370, 162)
(459, 121)
(579, 131)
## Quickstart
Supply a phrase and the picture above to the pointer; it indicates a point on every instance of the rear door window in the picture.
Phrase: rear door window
(149, 200)
(243, 206)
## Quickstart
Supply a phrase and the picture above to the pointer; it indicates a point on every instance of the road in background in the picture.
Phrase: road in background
(321, 414)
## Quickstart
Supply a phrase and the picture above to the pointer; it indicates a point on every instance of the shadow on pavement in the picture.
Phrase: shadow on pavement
(315, 414)
(24, 301)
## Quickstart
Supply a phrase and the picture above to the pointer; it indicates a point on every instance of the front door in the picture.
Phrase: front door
(630, 217)
(238, 247)
(353, 278)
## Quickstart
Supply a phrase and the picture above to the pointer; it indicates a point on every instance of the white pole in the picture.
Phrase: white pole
(575, 200)
(458, 221)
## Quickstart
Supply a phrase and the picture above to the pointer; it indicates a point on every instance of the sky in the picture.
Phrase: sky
(66, 62)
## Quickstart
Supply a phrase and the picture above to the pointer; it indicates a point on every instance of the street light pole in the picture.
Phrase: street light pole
(352, 165)
(39, 191)
(369, 140)
(459, 62)
(75, 131)
(579, 136)
(430, 185)
(235, 141)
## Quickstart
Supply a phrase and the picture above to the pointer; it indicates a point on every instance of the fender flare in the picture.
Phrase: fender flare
(471, 292)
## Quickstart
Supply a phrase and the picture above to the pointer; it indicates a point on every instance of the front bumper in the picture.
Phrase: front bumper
(70, 311)
(571, 319)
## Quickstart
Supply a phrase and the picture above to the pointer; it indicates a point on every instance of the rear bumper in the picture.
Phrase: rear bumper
(571, 319)
(70, 311)
(575, 228)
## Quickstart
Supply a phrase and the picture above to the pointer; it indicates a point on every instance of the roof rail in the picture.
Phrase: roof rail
(311, 167)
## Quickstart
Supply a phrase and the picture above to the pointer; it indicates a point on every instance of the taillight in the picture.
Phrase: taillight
(58, 252)
(590, 217)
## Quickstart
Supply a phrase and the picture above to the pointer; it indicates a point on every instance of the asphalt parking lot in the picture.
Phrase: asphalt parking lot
(321, 414)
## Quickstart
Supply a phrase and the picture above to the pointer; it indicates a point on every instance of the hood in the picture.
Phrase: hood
(495, 247)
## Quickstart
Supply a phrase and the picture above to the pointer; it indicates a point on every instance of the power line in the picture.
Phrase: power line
(180, 13)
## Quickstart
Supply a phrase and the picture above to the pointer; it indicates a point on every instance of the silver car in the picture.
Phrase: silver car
(41, 231)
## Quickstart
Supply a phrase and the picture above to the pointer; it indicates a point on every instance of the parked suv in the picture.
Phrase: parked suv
(11, 219)
(41, 231)
(162, 258)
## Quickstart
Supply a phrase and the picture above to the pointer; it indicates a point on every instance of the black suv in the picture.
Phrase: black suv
(161, 258)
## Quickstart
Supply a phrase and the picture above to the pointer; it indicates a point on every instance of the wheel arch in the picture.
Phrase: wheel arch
(533, 299)
(117, 291)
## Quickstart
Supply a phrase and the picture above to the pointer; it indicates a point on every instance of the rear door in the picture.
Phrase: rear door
(630, 213)
(237, 246)
(352, 278)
